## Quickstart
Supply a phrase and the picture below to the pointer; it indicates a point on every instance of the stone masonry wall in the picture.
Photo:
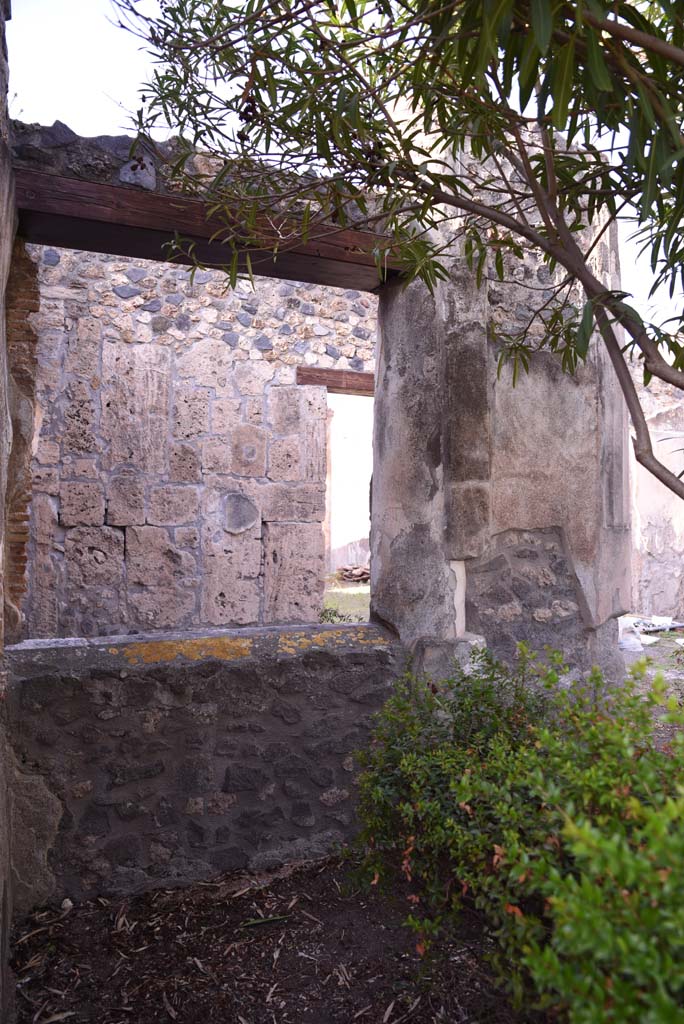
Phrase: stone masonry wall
(174, 758)
(7, 225)
(178, 473)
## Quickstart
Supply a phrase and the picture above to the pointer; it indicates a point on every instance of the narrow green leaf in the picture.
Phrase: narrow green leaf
(583, 335)
(542, 23)
(596, 64)
(563, 83)
(499, 264)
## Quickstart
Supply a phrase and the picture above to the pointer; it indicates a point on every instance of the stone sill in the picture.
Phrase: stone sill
(185, 646)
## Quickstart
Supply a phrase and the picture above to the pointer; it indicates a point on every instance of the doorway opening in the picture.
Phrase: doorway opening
(347, 525)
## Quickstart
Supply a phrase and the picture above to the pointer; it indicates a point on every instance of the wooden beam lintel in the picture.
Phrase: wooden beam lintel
(338, 382)
(70, 213)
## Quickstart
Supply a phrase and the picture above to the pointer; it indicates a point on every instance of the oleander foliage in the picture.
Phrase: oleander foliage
(557, 810)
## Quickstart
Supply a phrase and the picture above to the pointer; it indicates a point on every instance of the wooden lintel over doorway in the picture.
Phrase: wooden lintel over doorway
(71, 213)
(338, 382)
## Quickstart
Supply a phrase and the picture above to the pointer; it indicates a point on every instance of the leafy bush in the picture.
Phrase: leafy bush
(333, 615)
(551, 809)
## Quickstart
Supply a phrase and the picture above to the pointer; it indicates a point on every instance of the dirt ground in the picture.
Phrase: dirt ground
(665, 656)
(304, 947)
(348, 599)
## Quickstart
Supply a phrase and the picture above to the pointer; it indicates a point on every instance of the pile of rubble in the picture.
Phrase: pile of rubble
(353, 574)
(637, 632)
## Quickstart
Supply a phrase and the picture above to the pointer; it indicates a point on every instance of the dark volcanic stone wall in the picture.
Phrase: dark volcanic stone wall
(525, 589)
(175, 759)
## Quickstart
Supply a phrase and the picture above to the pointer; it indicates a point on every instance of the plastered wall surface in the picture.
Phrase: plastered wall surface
(658, 564)
(176, 471)
(7, 225)
(497, 511)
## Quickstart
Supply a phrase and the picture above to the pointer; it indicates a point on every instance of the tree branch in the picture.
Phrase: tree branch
(643, 448)
(632, 35)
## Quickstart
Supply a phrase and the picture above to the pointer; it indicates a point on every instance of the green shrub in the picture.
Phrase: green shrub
(554, 812)
(333, 615)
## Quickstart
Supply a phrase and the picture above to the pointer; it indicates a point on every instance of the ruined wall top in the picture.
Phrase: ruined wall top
(110, 159)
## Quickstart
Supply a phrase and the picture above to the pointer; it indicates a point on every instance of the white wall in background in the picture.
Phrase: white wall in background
(351, 466)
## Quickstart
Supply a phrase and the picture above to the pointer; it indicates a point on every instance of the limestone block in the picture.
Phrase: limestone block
(209, 363)
(83, 346)
(225, 598)
(81, 504)
(284, 409)
(94, 555)
(284, 460)
(191, 412)
(162, 607)
(240, 554)
(126, 501)
(212, 493)
(187, 536)
(249, 451)
(141, 373)
(48, 452)
(217, 456)
(251, 377)
(314, 402)
(43, 618)
(314, 448)
(254, 410)
(135, 406)
(83, 469)
(301, 411)
(152, 559)
(184, 464)
(294, 571)
(44, 518)
(46, 479)
(225, 415)
(173, 506)
(79, 419)
(303, 503)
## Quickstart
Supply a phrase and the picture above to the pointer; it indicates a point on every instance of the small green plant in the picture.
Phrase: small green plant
(550, 808)
(334, 615)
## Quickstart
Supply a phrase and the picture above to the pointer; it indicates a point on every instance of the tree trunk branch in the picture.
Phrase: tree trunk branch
(643, 448)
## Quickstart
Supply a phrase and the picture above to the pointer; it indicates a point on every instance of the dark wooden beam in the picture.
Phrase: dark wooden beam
(339, 382)
(70, 213)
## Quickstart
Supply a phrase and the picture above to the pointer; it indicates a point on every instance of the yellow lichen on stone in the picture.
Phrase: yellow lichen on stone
(293, 643)
(296, 642)
(225, 648)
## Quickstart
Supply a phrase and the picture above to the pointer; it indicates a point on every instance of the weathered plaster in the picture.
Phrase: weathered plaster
(522, 490)
(36, 816)
(658, 568)
(7, 227)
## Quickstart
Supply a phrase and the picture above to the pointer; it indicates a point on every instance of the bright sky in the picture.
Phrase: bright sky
(69, 62)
